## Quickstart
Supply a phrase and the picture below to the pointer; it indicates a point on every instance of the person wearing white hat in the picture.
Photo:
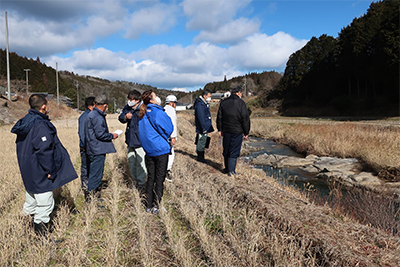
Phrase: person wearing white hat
(170, 107)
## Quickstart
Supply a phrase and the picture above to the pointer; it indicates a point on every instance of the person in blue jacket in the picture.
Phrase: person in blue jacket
(155, 127)
(136, 154)
(203, 122)
(89, 103)
(98, 143)
(43, 161)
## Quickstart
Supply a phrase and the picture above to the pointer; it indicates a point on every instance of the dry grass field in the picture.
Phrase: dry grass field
(210, 220)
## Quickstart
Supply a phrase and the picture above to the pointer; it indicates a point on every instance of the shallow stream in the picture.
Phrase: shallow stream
(288, 175)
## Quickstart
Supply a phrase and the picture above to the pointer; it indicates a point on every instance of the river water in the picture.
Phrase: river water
(289, 175)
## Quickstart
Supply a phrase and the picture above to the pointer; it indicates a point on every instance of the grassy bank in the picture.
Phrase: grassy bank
(211, 219)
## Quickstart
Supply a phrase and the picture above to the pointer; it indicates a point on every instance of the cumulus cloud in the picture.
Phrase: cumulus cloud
(151, 20)
(230, 33)
(182, 67)
(209, 15)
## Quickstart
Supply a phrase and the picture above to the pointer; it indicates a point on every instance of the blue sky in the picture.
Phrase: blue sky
(177, 45)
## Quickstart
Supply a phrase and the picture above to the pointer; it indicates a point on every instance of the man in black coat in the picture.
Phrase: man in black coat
(43, 161)
(233, 123)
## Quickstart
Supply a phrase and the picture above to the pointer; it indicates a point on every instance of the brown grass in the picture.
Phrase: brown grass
(377, 144)
(211, 219)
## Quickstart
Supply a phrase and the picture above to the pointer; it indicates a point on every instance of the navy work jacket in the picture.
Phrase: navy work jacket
(202, 116)
(97, 137)
(40, 152)
(132, 138)
(81, 128)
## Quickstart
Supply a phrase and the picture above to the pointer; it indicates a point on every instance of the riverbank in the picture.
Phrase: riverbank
(376, 144)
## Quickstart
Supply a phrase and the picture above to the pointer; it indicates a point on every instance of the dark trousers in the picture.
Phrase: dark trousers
(156, 172)
(84, 169)
(232, 144)
(95, 171)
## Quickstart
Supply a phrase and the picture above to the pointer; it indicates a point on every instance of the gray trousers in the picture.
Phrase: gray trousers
(137, 165)
(40, 205)
(201, 143)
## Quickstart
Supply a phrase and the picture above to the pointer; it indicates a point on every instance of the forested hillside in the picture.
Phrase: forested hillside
(354, 74)
(42, 78)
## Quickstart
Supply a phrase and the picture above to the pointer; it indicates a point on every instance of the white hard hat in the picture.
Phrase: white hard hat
(170, 98)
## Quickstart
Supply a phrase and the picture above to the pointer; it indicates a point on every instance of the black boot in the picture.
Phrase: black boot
(41, 229)
(232, 166)
(226, 164)
(200, 157)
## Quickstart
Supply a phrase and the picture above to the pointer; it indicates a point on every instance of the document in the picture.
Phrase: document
(119, 132)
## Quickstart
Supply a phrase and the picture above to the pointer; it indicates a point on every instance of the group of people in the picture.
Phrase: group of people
(151, 133)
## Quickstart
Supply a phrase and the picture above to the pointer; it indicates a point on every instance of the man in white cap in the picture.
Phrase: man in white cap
(170, 107)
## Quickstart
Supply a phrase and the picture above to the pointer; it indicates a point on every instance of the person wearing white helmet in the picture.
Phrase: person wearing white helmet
(170, 106)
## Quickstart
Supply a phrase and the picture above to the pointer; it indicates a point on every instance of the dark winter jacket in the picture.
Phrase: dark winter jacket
(233, 116)
(81, 128)
(202, 116)
(97, 137)
(132, 126)
(153, 143)
(40, 153)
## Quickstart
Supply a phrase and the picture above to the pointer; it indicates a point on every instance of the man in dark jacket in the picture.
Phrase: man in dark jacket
(89, 103)
(136, 154)
(98, 143)
(43, 161)
(233, 123)
(203, 121)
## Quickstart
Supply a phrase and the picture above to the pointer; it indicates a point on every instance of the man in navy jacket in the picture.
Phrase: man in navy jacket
(203, 121)
(89, 103)
(136, 154)
(98, 143)
(43, 161)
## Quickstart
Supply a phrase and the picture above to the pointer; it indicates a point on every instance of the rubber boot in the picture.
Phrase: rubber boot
(41, 229)
(200, 156)
(232, 166)
(226, 164)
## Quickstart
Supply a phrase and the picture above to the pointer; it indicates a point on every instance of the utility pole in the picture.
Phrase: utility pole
(115, 105)
(27, 87)
(77, 95)
(58, 92)
(245, 85)
(8, 62)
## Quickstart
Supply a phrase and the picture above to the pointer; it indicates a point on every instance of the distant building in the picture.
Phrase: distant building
(217, 97)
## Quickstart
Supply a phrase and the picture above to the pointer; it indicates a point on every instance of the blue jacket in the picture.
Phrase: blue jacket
(132, 138)
(81, 128)
(202, 116)
(98, 138)
(153, 143)
(40, 152)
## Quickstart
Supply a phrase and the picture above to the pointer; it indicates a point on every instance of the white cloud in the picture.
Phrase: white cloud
(231, 32)
(210, 14)
(179, 90)
(261, 51)
(185, 67)
(153, 20)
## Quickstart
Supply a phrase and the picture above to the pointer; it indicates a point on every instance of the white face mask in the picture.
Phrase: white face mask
(208, 99)
(131, 103)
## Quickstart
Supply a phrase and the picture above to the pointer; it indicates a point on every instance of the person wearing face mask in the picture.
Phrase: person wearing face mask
(233, 123)
(98, 144)
(155, 128)
(203, 121)
(43, 161)
(136, 154)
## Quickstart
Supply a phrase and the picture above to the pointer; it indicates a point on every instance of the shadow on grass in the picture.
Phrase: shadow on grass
(217, 166)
